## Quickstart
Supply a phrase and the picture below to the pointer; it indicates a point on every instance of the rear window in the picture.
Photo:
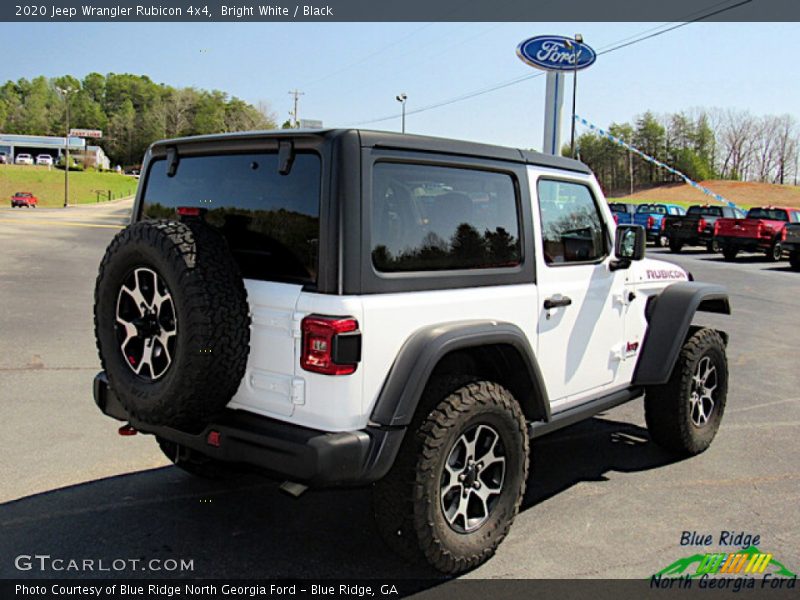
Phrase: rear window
(770, 214)
(271, 221)
(705, 211)
(23, 195)
(618, 208)
(431, 218)
(651, 209)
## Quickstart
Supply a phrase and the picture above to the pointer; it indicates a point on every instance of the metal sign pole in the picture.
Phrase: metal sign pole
(554, 100)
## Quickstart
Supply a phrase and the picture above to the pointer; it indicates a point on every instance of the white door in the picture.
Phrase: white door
(581, 312)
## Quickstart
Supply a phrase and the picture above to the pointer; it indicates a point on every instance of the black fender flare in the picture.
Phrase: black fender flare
(670, 315)
(422, 351)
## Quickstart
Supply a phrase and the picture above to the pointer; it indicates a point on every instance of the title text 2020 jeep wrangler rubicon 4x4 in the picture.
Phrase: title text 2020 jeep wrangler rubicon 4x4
(351, 307)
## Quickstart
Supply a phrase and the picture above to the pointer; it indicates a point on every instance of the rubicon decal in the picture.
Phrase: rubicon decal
(665, 274)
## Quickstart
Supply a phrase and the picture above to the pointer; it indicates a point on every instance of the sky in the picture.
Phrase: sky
(350, 73)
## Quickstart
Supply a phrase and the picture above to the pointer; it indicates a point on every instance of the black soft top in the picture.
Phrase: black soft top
(387, 139)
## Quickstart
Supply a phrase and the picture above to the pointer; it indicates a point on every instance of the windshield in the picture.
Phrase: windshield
(770, 214)
(271, 221)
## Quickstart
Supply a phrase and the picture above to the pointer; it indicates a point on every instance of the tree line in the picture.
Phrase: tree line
(131, 110)
(702, 143)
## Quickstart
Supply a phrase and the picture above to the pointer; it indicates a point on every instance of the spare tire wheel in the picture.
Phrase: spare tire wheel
(171, 322)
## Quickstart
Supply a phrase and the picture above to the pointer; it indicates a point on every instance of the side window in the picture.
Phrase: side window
(431, 218)
(572, 226)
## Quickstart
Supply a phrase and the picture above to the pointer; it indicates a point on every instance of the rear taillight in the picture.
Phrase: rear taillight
(651, 222)
(188, 211)
(331, 345)
(716, 228)
(701, 225)
(783, 234)
(616, 220)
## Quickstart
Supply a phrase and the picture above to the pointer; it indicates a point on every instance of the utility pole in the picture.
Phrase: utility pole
(296, 93)
(573, 45)
(66, 92)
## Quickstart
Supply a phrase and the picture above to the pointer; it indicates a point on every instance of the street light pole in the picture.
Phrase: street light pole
(66, 92)
(401, 98)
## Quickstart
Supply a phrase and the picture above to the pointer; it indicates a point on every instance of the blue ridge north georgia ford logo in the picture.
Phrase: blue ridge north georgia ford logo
(556, 53)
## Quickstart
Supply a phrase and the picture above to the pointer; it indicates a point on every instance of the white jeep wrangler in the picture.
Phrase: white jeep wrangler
(352, 307)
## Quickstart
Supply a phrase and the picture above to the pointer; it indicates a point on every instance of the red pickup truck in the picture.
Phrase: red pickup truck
(760, 231)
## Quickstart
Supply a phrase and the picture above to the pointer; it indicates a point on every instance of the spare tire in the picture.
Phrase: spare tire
(171, 322)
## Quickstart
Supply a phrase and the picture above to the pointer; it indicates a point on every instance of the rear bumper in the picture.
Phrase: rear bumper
(690, 237)
(290, 452)
(745, 244)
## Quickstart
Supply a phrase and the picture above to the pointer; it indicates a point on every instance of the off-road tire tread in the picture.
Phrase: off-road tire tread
(404, 487)
(666, 406)
(215, 315)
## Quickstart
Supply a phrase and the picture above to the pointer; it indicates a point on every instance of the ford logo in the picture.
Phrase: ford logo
(552, 53)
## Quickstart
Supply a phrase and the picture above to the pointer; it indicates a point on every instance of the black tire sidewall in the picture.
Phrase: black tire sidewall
(212, 321)
(148, 394)
(702, 436)
(490, 532)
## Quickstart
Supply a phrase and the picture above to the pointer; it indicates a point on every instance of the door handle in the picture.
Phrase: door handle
(556, 301)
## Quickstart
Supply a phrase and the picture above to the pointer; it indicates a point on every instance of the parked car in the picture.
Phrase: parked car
(23, 159)
(696, 227)
(24, 199)
(410, 323)
(651, 217)
(791, 244)
(44, 159)
(760, 231)
(622, 212)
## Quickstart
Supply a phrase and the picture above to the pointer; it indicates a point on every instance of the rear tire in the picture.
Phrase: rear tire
(684, 414)
(473, 441)
(713, 247)
(675, 246)
(794, 260)
(775, 253)
(729, 253)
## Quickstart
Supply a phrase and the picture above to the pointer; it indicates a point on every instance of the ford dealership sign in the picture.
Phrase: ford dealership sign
(553, 53)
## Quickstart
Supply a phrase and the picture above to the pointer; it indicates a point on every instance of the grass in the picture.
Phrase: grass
(48, 185)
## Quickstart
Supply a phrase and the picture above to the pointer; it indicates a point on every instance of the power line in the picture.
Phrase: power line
(612, 48)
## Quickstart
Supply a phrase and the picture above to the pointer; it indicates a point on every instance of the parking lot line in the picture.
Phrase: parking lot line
(62, 223)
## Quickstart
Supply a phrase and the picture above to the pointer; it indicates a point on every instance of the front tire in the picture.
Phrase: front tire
(458, 481)
(684, 414)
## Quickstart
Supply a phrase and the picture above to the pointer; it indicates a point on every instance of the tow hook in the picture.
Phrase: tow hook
(127, 429)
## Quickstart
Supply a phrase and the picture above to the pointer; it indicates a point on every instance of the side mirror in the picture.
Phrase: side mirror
(629, 245)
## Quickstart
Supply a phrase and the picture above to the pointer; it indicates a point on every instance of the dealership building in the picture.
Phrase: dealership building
(35, 145)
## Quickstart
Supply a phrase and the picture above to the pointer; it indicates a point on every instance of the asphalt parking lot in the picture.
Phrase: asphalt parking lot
(602, 501)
